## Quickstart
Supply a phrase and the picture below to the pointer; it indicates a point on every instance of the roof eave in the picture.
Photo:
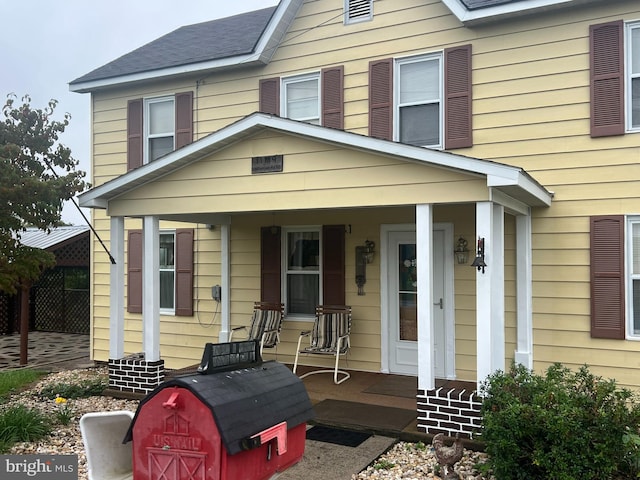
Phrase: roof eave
(505, 11)
(165, 73)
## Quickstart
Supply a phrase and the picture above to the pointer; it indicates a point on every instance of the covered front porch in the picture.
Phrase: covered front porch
(403, 198)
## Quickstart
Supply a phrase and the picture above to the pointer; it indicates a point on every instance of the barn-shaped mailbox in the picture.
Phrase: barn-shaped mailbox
(236, 423)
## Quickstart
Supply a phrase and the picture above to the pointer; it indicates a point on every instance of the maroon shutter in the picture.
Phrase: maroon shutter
(607, 277)
(458, 132)
(184, 119)
(270, 264)
(134, 272)
(134, 134)
(333, 269)
(270, 96)
(184, 272)
(333, 97)
(606, 48)
(381, 99)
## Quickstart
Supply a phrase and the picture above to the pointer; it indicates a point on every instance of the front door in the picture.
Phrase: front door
(403, 294)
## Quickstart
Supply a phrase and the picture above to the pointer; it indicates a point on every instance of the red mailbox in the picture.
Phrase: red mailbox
(242, 424)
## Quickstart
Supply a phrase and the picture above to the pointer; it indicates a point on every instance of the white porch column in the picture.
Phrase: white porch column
(225, 278)
(490, 291)
(116, 289)
(524, 350)
(151, 288)
(424, 247)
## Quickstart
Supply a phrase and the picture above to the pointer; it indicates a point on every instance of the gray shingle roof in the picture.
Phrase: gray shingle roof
(213, 40)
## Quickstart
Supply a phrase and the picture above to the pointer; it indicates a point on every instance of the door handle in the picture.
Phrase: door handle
(439, 304)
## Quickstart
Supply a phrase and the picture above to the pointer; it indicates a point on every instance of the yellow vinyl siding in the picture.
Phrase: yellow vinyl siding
(531, 110)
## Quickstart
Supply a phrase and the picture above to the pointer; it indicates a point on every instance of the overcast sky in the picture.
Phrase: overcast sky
(45, 44)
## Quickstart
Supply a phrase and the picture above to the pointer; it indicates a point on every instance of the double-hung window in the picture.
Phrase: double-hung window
(302, 272)
(159, 127)
(633, 76)
(175, 266)
(167, 268)
(301, 98)
(633, 276)
(419, 101)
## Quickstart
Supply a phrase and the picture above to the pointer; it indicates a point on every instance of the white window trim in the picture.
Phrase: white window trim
(629, 27)
(396, 94)
(145, 118)
(348, 20)
(169, 311)
(285, 271)
(296, 79)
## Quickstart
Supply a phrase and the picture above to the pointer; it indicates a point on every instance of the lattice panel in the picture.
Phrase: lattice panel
(57, 308)
(74, 254)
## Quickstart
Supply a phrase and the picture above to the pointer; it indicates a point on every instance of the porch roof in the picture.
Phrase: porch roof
(502, 179)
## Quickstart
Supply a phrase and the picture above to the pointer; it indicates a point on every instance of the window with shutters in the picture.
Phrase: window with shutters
(418, 101)
(357, 11)
(159, 127)
(633, 78)
(302, 272)
(167, 268)
(175, 264)
(301, 98)
(633, 280)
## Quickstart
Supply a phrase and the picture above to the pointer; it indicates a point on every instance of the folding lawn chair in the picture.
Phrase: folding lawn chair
(329, 336)
(266, 323)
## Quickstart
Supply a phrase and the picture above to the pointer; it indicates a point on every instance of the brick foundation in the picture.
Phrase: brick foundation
(449, 411)
(133, 374)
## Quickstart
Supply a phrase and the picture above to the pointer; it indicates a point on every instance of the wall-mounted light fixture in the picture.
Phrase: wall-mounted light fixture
(478, 262)
(461, 251)
(364, 255)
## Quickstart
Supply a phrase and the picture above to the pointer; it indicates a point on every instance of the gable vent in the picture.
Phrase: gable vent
(358, 10)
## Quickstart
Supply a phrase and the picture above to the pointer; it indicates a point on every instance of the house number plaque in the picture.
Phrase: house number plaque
(266, 164)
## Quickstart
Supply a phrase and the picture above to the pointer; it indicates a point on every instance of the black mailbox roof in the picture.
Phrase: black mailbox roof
(246, 401)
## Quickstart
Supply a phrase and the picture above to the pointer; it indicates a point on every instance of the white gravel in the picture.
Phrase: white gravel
(407, 461)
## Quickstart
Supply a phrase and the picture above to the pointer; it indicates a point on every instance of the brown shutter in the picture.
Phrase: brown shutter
(458, 131)
(134, 134)
(333, 270)
(184, 119)
(270, 96)
(607, 277)
(184, 272)
(270, 264)
(381, 99)
(606, 49)
(333, 97)
(134, 272)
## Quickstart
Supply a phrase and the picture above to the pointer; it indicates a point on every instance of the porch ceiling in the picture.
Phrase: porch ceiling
(483, 176)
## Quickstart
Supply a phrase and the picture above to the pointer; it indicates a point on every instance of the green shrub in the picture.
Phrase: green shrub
(563, 425)
(21, 424)
(13, 380)
(82, 389)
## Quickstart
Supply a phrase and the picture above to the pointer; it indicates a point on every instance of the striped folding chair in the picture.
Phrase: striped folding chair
(266, 323)
(329, 336)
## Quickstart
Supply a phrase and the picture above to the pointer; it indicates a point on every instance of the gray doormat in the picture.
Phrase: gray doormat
(337, 436)
(395, 386)
(362, 416)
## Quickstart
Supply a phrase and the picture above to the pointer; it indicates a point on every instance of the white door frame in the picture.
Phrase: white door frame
(449, 307)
